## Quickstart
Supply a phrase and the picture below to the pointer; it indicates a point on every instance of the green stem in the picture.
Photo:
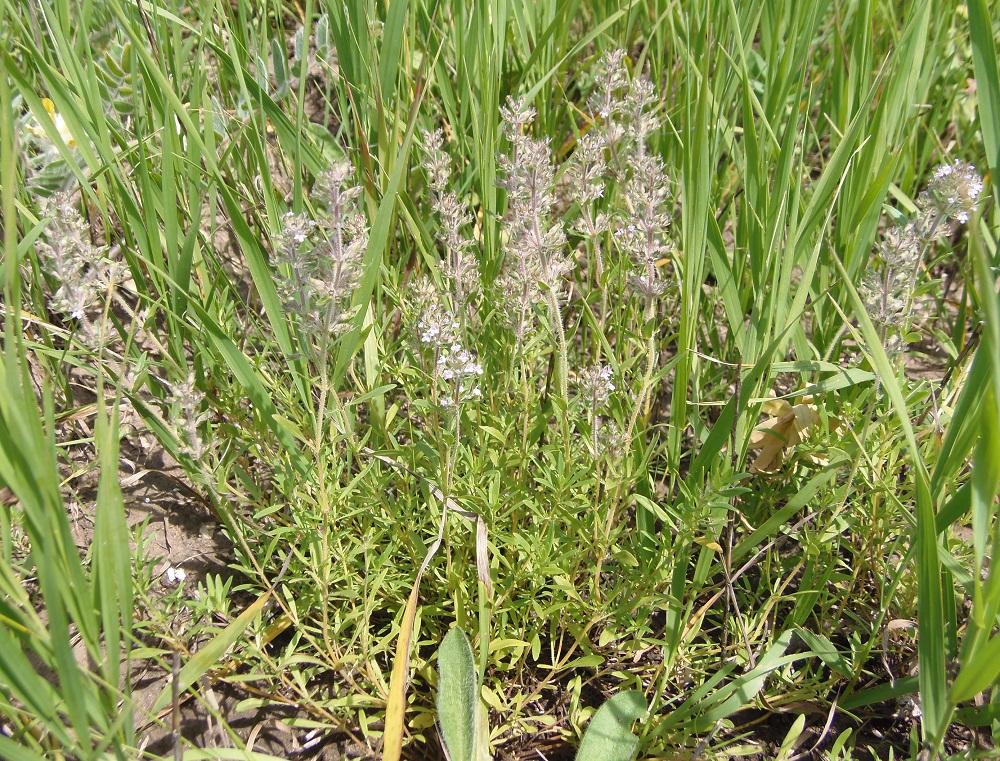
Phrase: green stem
(560, 333)
(647, 379)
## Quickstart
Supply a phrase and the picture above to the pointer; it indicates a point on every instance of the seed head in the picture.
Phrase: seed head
(638, 104)
(609, 439)
(900, 247)
(436, 162)
(460, 265)
(648, 287)
(516, 115)
(588, 168)
(536, 241)
(646, 194)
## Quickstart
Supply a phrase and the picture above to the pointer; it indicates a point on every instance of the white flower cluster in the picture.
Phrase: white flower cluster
(458, 367)
(322, 259)
(596, 384)
(954, 190)
(887, 287)
(438, 326)
(85, 272)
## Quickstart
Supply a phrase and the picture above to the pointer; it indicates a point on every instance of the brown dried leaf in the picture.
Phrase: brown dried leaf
(785, 428)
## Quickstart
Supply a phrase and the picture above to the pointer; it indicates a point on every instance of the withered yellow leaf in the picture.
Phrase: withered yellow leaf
(783, 429)
(704, 541)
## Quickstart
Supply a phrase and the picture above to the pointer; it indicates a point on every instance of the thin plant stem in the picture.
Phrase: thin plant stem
(647, 378)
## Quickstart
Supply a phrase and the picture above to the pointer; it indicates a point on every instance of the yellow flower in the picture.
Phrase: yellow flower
(59, 122)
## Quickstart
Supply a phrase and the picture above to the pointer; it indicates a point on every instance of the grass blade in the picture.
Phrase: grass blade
(984, 58)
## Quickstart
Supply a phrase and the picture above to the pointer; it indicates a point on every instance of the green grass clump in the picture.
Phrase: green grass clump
(657, 345)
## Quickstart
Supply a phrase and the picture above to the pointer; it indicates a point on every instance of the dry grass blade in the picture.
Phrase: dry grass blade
(395, 708)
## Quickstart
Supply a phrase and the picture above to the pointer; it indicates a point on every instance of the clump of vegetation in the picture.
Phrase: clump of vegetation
(658, 347)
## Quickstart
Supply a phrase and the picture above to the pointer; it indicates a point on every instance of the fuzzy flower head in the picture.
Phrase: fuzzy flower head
(596, 384)
(649, 287)
(884, 298)
(436, 161)
(535, 237)
(294, 247)
(345, 227)
(85, 272)
(647, 194)
(607, 99)
(458, 368)
(887, 286)
(588, 168)
(516, 116)
(187, 416)
(900, 247)
(639, 104)
(646, 245)
(646, 190)
(67, 251)
(320, 260)
(460, 265)
(612, 442)
(954, 190)
(519, 293)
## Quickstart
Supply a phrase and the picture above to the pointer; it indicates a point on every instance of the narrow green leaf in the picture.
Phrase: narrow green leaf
(112, 558)
(979, 717)
(13, 751)
(964, 429)
(256, 390)
(591, 35)
(980, 673)
(984, 59)
(833, 174)
(845, 378)
(226, 754)
(745, 687)
(392, 46)
(930, 603)
(880, 694)
(21, 677)
(378, 243)
(696, 182)
(825, 651)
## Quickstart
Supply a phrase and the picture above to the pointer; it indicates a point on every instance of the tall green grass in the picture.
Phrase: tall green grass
(793, 133)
